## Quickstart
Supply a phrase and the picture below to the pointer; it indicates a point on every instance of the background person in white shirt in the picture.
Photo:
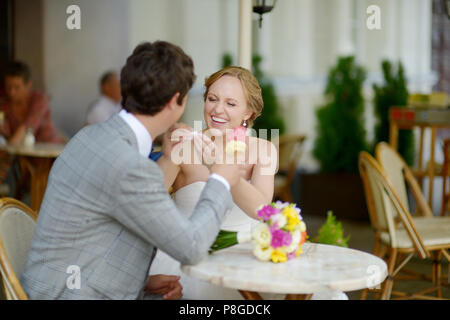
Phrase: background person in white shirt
(109, 102)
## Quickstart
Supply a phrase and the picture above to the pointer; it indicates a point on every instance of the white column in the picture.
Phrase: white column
(265, 42)
(245, 34)
(407, 38)
(305, 38)
(423, 44)
(228, 16)
(343, 22)
(391, 30)
(361, 31)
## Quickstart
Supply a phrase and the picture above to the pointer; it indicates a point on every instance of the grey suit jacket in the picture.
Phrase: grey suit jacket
(105, 210)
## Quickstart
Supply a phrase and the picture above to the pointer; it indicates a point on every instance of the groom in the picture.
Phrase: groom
(106, 208)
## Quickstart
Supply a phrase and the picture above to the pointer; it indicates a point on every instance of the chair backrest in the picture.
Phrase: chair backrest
(400, 175)
(380, 219)
(384, 205)
(17, 223)
(290, 150)
(394, 166)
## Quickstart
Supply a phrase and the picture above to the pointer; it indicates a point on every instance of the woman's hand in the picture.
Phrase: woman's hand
(167, 286)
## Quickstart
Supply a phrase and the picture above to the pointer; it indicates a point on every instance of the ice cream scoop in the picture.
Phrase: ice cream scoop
(236, 140)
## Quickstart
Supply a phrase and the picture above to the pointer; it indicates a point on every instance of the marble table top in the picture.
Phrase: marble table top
(42, 150)
(319, 268)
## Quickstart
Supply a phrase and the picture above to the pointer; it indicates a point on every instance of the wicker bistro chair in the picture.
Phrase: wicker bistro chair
(400, 176)
(290, 151)
(17, 223)
(395, 229)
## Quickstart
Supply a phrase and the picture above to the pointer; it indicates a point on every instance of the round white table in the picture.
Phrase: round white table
(319, 268)
(37, 160)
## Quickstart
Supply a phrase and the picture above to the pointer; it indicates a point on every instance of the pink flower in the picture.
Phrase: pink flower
(267, 211)
(280, 238)
(237, 134)
(291, 255)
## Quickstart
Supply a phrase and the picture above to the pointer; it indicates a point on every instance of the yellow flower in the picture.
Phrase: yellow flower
(292, 218)
(288, 212)
(299, 251)
(278, 256)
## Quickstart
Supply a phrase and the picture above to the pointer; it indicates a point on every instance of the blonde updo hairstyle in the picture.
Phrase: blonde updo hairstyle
(252, 90)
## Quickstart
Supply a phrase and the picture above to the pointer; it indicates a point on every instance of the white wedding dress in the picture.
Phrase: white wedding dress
(186, 199)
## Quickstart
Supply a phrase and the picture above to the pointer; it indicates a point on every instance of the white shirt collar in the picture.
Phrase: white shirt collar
(143, 137)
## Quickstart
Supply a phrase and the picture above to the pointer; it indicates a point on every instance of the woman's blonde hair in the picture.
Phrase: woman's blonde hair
(252, 90)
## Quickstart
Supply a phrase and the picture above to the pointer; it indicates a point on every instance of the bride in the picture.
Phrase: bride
(232, 98)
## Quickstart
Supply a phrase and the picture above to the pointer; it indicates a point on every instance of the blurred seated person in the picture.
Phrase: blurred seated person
(109, 102)
(25, 108)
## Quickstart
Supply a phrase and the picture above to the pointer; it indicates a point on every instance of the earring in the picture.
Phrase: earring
(244, 124)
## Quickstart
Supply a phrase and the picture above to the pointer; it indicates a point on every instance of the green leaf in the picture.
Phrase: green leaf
(224, 239)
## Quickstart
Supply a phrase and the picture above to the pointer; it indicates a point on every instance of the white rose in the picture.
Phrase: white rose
(296, 235)
(279, 219)
(261, 235)
(262, 253)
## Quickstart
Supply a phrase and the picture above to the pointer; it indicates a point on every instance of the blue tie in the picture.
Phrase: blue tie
(155, 155)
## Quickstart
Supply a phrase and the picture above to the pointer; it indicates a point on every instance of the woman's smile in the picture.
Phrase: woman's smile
(218, 121)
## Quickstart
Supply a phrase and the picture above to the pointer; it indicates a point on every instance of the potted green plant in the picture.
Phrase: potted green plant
(331, 232)
(393, 92)
(341, 133)
(340, 138)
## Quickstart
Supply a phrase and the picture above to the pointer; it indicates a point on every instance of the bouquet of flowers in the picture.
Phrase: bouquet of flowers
(278, 237)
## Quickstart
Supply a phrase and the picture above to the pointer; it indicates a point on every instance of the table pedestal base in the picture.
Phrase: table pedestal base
(38, 169)
(250, 295)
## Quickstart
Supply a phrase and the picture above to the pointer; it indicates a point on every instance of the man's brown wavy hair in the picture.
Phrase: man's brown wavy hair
(153, 74)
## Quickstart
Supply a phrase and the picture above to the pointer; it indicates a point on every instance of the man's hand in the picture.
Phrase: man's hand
(195, 146)
(167, 286)
(180, 131)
